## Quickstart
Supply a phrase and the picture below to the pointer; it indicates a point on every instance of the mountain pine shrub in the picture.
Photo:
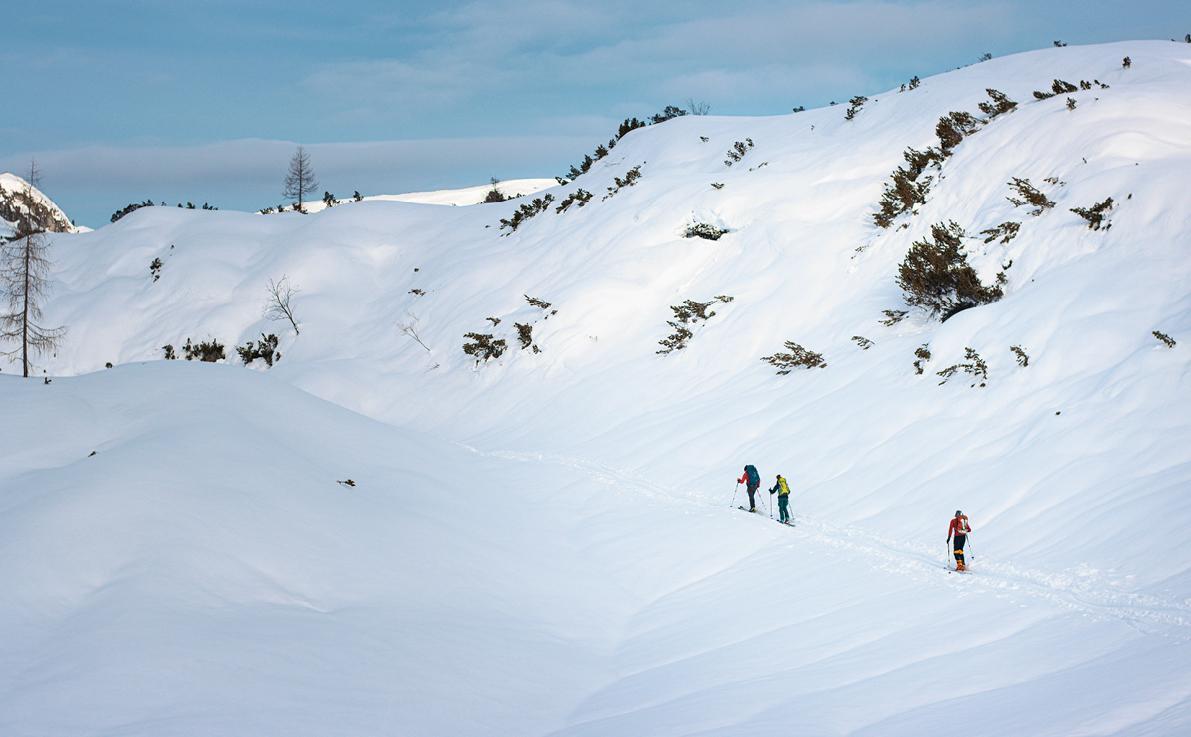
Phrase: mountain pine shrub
(704, 230)
(525, 336)
(952, 128)
(854, 106)
(738, 150)
(630, 179)
(936, 276)
(483, 346)
(1020, 356)
(922, 355)
(1006, 231)
(1095, 214)
(1165, 339)
(795, 356)
(1000, 104)
(579, 196)
(209, 351)
(688, 313)
(525, 212)
(265, 348)
(973, 365)
(1029, 194)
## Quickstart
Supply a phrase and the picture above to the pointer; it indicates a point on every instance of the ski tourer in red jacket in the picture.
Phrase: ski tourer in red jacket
(959, 529)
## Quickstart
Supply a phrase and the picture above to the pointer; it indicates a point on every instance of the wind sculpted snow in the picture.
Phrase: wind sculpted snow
(546, 543)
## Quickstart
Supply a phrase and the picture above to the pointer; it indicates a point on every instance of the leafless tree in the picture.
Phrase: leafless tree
(24, 281)
(300, 181)
(281, 293)
(697, 107)
(410, 328)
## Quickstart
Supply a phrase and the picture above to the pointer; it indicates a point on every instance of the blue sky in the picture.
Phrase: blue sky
(203, 100)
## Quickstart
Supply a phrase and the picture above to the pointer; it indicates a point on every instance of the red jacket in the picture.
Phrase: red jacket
(955, 527)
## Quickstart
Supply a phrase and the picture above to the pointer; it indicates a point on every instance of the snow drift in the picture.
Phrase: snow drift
(562, 557)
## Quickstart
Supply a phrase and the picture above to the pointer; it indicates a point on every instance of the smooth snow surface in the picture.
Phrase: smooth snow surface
(547, 544)
(464, 196)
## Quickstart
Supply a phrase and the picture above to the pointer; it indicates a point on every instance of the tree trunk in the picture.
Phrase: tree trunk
(25, 315)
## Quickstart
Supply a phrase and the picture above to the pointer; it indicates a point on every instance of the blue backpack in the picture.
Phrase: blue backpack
(754, 477)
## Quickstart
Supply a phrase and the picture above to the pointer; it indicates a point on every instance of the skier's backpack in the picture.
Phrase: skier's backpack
(754, 477)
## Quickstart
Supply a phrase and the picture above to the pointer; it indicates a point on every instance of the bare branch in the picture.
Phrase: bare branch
(410, 328)
(281, 293)
(24, 282)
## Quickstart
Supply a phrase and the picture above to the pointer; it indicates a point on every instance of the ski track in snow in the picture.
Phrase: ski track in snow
(1076, 592)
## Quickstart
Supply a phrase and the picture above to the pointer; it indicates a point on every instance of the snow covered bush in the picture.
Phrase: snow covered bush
(541, 304)
(1006, 231)
(906, 188)
(155, 268)
(580, 196)
(795, 356)
(525, 212)
(862, 341)
(1029, 194)
(973, 365)
(483, 346)
(1070, 103)
(1057, 87)
(1166, 340)
(922, 355)
(628, 126)
(668, 113)
(1000, 104)
(854, 106)
(131, 207)
(494, 194)
(738, 150)
(952, 128)
(208, 351)
(1020, 356)
(168, 351)
(628, 180)
(936, 276)
(525, 336)
(265, 348)
(1095, 214)
(704, 230)
(689, 312)
(893, 317)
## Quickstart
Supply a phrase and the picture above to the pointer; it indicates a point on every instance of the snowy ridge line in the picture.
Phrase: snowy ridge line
(1072, 592)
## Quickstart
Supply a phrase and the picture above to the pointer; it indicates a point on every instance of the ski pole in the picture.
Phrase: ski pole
(734, 493)
(971, 550)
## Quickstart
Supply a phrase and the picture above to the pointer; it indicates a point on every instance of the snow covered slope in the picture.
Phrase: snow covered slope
(464, 196)
(204, 573)
(599, 483)
(19, 201)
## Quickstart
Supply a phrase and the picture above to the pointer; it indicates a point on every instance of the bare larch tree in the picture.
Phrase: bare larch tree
(300, 180)
(24, 282)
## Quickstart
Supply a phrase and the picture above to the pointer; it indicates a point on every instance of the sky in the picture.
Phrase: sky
(205, 100)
